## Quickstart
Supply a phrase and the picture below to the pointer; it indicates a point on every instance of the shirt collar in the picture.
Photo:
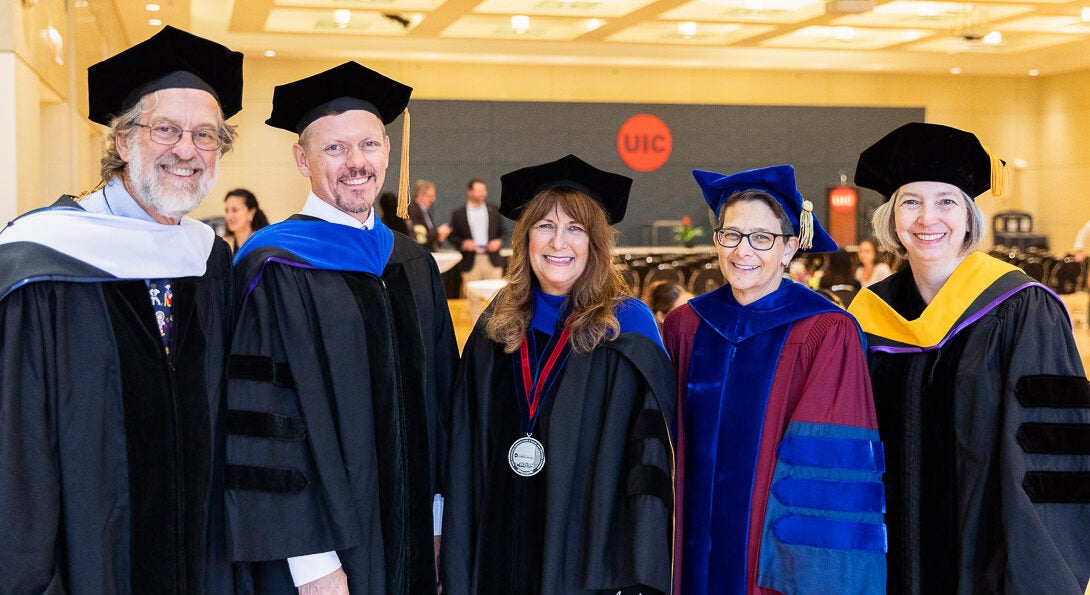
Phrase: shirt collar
(114, 199)
(316, 207)
(472, 207)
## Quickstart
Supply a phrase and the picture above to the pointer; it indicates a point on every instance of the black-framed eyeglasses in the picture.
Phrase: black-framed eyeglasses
(759, 240)
(207, 139)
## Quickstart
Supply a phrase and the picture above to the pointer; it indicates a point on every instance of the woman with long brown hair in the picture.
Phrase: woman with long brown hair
(561, 456)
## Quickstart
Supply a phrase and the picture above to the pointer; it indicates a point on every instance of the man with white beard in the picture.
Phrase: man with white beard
(115, 311)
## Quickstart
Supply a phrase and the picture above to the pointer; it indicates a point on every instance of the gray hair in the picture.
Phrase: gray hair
(885, 230)
(124, 123)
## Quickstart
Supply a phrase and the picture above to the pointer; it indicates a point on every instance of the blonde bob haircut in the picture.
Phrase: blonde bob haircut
(594, 295)
(885, 229)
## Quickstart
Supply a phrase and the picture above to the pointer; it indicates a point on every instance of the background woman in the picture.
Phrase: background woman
(663, 296)
(982, 401)
(561, 457)
(869, 270)
(242, 215)
(781, 463)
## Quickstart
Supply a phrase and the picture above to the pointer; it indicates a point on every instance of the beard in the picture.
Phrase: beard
(172, 198)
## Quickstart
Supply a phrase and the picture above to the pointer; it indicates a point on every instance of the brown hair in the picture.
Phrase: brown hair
(594, 295)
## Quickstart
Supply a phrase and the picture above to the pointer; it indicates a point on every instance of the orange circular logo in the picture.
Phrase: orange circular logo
(644, 142)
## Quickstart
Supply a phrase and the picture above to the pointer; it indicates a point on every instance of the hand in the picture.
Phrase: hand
(494, 245)
(442, 232)
(1079, 256)
(334, 583)
(469, 246)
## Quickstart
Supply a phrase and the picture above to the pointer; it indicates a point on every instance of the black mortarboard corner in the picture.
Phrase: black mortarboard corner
(608, 189)
(779, 182)
(170, 59)
(346, 87)
(920, 152)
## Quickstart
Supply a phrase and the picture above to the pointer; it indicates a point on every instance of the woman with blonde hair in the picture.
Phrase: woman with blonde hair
(982, 401)
(561, 456)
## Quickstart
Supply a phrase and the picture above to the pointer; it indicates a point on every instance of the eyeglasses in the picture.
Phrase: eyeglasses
(168, 134)
(759, 240)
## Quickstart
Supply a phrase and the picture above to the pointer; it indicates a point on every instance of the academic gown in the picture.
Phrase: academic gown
(780, 464)
(598, 516)
(338, 385)
(984, 409)
(108, 449)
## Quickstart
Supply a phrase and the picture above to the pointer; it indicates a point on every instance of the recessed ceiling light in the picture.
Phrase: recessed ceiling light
(754, 5)
(342, 17)
(1034, 72)
(928, 9)
(155, 22)
(844, 33)
(592, 24)
(151, 7)
(520, 23)
(955, 70)
(270, 53)
(686, 28)
(993, 38)
(1084, 14)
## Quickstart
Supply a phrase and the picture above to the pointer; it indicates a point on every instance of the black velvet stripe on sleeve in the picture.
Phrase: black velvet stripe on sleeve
(1045, 438)
(265, 479)
(260, 424)
(650, 424)
(1057, 487)
(259, 368)
(1053, 391)
(652, 481)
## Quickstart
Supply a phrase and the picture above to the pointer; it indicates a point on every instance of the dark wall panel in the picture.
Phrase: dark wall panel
(453, 141)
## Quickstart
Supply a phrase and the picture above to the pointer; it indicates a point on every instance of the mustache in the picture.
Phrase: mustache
(172, 160)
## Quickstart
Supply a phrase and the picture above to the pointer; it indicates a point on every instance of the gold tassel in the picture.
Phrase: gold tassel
(82, 195)
(403, 178)
(999, 174)
(806, 226)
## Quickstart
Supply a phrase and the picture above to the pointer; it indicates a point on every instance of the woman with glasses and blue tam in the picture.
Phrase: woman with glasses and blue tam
(981, 396)
(779, 461)
(561, 449)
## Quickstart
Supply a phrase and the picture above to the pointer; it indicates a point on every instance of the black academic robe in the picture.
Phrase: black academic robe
(598, 517)
(337, 389)
(984, 408)
(108, 481)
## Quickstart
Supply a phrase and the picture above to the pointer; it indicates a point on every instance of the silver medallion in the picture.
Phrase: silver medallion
(526, 456)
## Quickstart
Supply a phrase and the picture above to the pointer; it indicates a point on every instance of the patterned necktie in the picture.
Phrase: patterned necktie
(162, 301)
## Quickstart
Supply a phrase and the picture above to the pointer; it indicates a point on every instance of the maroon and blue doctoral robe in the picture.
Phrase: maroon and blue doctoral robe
(779, 469)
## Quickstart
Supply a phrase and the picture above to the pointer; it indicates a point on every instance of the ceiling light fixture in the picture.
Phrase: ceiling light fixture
(270, 53)
(592, 24)
(843, 33)
(955, 70)
(520, 23)
(152, 7)
(1084, 14)
(928, 9)
(155, 22)
(686, 28)
(1033, 72)
(342, 17)
(754, 5)
(993, 38)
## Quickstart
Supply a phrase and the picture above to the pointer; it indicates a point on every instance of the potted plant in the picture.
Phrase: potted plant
(686, 232)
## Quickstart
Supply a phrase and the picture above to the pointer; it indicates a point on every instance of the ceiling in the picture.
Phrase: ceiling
(1035, 37)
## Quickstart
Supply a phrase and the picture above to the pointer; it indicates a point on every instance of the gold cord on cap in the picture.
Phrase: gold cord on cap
(403, 171)
(999, 173)
(806, 225)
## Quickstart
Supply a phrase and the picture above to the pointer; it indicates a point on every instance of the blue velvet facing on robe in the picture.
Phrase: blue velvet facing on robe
(327, 246)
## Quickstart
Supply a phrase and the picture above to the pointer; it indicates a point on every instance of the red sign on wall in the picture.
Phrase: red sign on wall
(842, 199)
(644, 142)
(843, 202)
